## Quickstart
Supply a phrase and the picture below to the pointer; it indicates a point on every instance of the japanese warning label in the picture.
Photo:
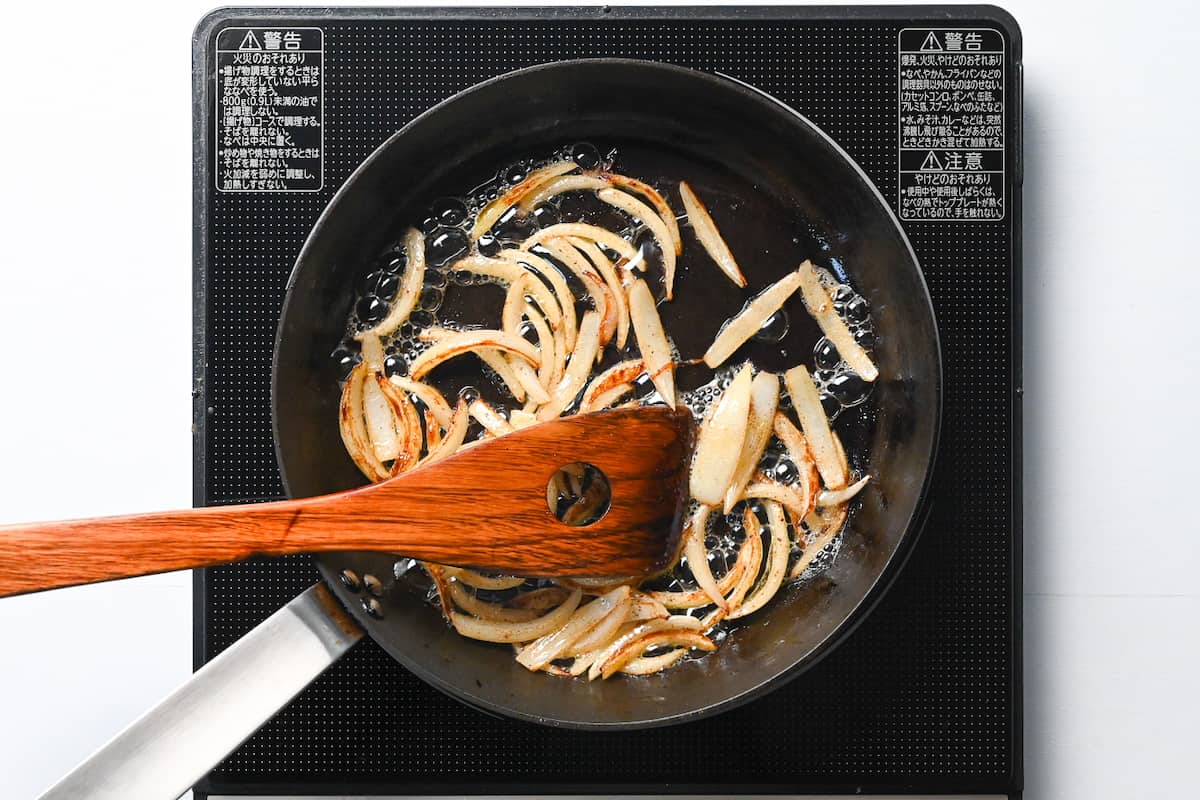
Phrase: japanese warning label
(951, 125)
(269, 110)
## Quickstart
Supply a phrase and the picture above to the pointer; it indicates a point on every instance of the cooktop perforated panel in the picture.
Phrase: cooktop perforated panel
(923, 696)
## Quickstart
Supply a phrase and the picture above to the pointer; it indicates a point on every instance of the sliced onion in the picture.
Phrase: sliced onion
(750, 319)
(777, 559)
(611, 384)
(353, 427)
(507, 632)
(719, 442)
(639, 210)
(706, 231)
(815, 425)
(790, 496)
(560, 185)
(521, 419)
(628, 652)
(697, 555)
(484, 610)
(661, 207)
(764, 399)
(372, 352)
(514, 304)
(550, 645)
(565, 298)
(551, 346)
(490, 418)
(592, 233)
(695, 598)
(648, 665)
(616, 288)
(429, 396)
(508, 272)
(456, 433)
(642, 607)
(801, 455)
(652, 340)
(380, 420)
(578, 368)
(499, 364)
(834, 498)
(410, 286)
(441, 581)
(603, 631)
(490, 214)
(597, 290)
(540, 599)
(407, 425)
(823, 529)
(459, 342)
(677, 622)
(750, 557)
(820, 306)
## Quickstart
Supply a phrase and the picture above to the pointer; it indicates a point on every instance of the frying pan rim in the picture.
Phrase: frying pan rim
(913, 526)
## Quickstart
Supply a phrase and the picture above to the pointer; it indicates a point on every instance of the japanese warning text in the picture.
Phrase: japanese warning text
(269, 110)
(951, 127)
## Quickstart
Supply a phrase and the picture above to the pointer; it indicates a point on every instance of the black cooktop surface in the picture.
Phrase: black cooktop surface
(925, 695)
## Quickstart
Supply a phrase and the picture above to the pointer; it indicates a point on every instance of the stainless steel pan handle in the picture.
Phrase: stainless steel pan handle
(173, 745)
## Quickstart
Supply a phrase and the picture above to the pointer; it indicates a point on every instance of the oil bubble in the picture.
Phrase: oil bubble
(774, 328)
(445, 244)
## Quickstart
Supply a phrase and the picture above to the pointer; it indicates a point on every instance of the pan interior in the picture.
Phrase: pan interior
(783, 193)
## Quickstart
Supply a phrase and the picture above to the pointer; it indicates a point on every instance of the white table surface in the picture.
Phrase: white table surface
(95, 250)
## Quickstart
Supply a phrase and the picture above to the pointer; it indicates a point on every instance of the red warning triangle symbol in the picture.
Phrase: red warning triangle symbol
(931, 162)
(249, 42)
(931, 43)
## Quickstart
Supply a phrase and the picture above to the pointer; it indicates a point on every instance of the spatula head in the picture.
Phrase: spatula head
(487, 506)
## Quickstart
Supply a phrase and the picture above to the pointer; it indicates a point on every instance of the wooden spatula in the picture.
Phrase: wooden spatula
(483, 507)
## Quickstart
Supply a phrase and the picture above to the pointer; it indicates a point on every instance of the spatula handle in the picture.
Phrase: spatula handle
(49, 555)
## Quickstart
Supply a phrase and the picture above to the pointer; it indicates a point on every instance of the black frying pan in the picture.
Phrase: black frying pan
(789, 181)
(783, 192)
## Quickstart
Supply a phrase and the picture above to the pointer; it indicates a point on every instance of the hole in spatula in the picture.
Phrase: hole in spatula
(578, 494)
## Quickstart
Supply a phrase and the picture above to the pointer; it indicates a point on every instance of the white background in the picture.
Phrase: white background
(95, 316)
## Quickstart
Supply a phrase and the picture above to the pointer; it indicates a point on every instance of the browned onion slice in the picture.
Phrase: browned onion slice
(597, 290)
(639, 210)
(565, 298)
(618, 378)
(750, 319)
(380, 420)
(556, 186)
(550, 645)
(456, 433)
(551, 345)
(696, 554)
(648, 665)
(820, 307)
(456, 343)
(719, 442)
(823, 528)
(508, 272)
(659, 202)
(642, 607)
(706, 231)
(677, 622)
(353, 427)
(593, 233)
(628, 652)
(616, 288)
(410, 286)
(652, 340)
(840, 496)
(433, 400)
(540, 599)
(499, 364)
(490, 418)
(490, 214)
(777, 559)
(752, 550)
(578, 368)
(471, 604)
(764, 399)
(407, 425)
(508, 632)
(815, 425)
